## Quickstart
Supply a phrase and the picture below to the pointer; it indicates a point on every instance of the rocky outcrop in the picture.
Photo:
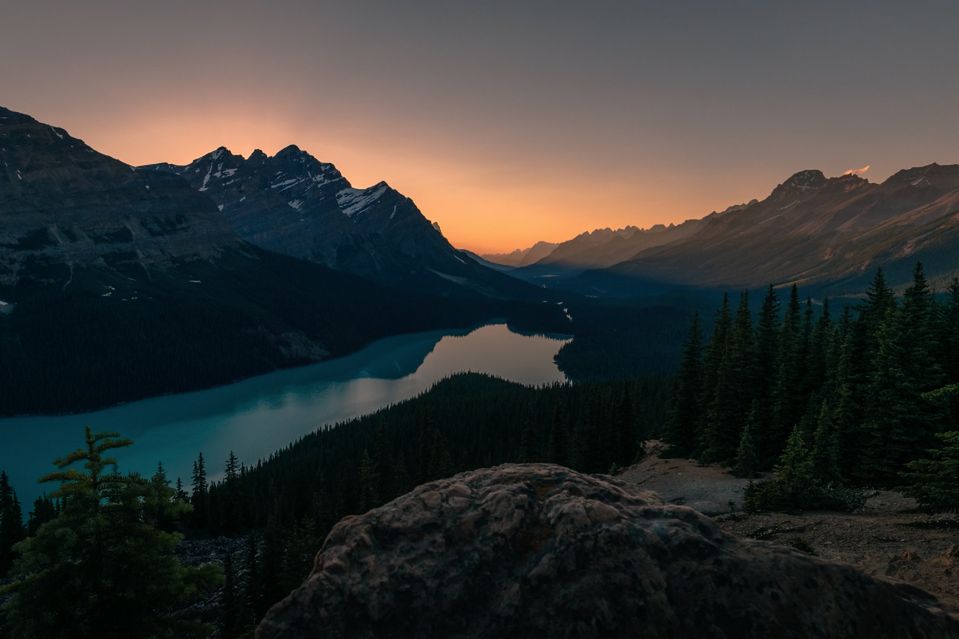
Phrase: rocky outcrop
(542, 551)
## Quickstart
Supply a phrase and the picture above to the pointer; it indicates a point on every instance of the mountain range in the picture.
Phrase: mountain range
(118, 282)
(829, 233)
(293, 204)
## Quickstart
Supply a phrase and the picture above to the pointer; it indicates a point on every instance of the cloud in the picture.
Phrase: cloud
(858, 171)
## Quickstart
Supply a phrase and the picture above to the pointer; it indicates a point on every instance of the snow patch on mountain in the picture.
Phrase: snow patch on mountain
(352, 201)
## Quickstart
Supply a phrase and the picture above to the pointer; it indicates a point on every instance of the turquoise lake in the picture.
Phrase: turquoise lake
(259, 415)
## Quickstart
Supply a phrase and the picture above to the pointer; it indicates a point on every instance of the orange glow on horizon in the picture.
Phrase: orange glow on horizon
(483, 210)
(486, 199)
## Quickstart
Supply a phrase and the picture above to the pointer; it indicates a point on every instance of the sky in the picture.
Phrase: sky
(506, 122)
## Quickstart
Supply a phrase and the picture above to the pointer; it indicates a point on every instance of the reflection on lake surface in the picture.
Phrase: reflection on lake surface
(259, 415)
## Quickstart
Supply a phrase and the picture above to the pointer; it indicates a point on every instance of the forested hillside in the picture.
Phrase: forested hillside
(287, 504)
(826, 401)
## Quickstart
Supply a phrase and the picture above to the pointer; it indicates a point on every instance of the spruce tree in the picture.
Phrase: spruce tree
(900, 421)
(825, 452)
(934, 482)
(747, 454)
(199, 496)
(11, 523)
(767, 370)
(685, 424)
(366, 484)
(717, 380)
(731, 396)
(100, 569)
(626, 441)
(790, 399)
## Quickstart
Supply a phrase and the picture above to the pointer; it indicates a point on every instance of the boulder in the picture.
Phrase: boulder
(537, 550)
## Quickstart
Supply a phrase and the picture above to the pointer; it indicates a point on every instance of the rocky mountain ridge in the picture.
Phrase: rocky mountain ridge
(293, 204)
(64, 203)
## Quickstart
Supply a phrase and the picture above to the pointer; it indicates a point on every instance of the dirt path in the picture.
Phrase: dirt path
(887, 538)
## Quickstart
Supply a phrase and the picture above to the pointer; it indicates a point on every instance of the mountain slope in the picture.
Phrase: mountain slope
(294, 204)
(522, 257)
(814, 230)
(117, 283)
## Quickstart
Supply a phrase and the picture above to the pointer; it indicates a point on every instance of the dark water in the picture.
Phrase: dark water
(259, 415)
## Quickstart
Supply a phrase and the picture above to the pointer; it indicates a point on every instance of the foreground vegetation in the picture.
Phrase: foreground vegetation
(285, 506)
(865, 399)
(827, 404)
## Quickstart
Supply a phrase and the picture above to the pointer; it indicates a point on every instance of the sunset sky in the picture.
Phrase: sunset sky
(507, 122)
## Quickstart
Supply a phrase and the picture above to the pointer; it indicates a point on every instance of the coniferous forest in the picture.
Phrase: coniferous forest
(284, 506)
(828, 402)
(812, 403)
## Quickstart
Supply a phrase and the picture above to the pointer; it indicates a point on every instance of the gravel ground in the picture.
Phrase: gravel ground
(887, 538)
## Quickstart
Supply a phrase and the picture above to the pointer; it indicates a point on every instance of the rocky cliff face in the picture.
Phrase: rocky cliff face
(541, 551)
(118, 283)
(293, 204)
(62, 203)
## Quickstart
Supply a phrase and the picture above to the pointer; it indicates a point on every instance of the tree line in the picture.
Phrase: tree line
(283, 507)
(859, 399)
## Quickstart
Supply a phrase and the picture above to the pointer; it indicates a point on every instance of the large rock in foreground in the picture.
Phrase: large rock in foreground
(542, 551)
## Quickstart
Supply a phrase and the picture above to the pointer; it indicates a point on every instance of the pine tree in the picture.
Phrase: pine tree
(795, 470)
(44, 510)
(231, 506)
(825, 452)
(558, 444)
(11, 523)
(626, 442)
(747, 454)
(100, 568)
(900, 422)
(880, 301)
(731, 397)
(934, 482)
(790, 399)
(716, 350)
(366, 484)
(685, 424)
(767, 370)
(199, 496)
(949, 333)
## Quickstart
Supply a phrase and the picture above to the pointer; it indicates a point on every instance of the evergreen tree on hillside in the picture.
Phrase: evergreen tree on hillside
(818, 371)
(934, 482)
(767, 370)
(100, 569)
(790, 398)
(747, 454)
(626, 444)
(716, 350)
(11, 523)
(686, 412)
(716, 380)
(852, 382)
(880, 301)
(732, 396)
(949, 333)
(900, 422)
(44, 510)
(198, 498)
(825, 452)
